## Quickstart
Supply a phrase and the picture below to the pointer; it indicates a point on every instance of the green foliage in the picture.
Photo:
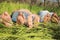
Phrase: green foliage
(21, 32)
(4, 6)
(49, 31)
(55, 9)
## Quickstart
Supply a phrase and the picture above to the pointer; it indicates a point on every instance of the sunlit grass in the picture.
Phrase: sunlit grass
(21, 32)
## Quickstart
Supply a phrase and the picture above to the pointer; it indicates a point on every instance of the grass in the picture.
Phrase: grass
(49, 31)
(4, 6)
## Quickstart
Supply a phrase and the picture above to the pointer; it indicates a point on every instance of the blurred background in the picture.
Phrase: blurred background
(35, 5)
(49, 31)
(36, 2)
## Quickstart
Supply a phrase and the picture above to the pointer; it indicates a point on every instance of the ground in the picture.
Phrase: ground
(49, 31)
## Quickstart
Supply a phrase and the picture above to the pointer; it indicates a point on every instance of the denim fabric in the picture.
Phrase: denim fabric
(42, 14)
(25, 14)
(14, 16)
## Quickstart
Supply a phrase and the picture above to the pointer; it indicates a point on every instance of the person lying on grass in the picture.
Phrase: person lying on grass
(20, 19)
(33, 20)
(29, 18)
(6, 19)
(15, 14)
(46, 16)
(54, 17)
(24, 16)
(21, 16)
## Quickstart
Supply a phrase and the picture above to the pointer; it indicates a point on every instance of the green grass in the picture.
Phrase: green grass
(49, 31)
(4, 6)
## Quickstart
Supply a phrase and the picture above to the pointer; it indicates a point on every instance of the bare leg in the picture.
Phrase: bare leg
(6, 19)
(36, 21)
(20, 20)
(29, 21)
(47, 18)
(55, 18)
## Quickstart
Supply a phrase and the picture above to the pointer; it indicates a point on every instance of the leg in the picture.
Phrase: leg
(29, 22)
(20, 20)
(55, 18)
(47, 18)
(36, 21)
(7, 24)
(6, 16)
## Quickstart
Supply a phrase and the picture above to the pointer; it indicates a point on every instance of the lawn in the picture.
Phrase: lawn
(49, 31)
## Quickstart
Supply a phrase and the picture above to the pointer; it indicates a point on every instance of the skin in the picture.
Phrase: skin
(29, 21)
(47, 18)
(34, 22)
(6, 19)
(55, 18)
(20, 19)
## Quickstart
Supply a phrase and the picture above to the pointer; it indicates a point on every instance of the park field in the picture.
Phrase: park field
(49, 31)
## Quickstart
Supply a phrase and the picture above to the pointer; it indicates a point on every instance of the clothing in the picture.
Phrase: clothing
(25, 14)
(15, 15)
(42, 14)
